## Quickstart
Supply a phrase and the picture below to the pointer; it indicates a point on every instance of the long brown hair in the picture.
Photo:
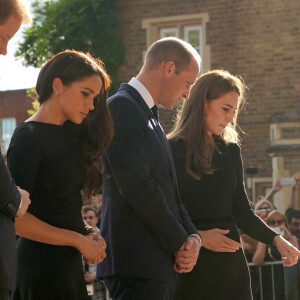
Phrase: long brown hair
(190, 123)
(97, 129)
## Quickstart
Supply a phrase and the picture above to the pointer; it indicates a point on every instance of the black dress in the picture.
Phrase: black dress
(218, 201)
(44, 160)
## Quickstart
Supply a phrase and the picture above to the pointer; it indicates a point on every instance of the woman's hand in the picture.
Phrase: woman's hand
(289, 252)
(93, 251)
(215, 240)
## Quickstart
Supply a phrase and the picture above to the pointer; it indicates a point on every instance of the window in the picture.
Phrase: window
(7, 127)
(191, 28)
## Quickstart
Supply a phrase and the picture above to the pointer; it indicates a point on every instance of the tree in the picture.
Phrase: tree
(85, 25)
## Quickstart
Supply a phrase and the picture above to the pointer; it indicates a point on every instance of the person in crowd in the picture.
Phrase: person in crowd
(268, 252)
(98, 290)
(292, 274)
(55, 155)
(14, 201)
(210, 175)
(149, 232)
(293, 214)
(262, 208)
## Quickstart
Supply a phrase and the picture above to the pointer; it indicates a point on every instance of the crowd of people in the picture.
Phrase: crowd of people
(172, 206)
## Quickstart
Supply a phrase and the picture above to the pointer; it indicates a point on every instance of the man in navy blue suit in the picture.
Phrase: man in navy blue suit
(13, 200)
(147, 229)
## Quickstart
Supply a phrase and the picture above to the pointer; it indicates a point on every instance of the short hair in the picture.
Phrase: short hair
(18, 8)
(294, 213)
(171, 49)
(87, 208)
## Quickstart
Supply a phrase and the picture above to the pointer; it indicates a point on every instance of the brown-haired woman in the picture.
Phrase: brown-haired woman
(55, 155)
(210, 176)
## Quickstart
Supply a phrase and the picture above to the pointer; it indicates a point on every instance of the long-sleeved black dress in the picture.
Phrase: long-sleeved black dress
(218, 201)
(44, 160)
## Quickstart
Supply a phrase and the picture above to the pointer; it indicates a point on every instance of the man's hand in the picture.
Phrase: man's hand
(215, 240)
(88, 278)
(186, 257)
(25, 202)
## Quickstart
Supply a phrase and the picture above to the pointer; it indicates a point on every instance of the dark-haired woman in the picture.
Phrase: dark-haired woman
(55, 155)
(210, 176)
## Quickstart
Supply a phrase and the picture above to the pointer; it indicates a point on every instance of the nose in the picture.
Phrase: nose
(229, 117)
(186, 93)
(3, 48)
(90, 104)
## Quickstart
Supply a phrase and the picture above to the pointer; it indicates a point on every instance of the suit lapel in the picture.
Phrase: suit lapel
(157, 127)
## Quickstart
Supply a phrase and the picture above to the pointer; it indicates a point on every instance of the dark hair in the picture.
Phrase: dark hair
(190, 123)
(294, 213)
(87, 208)
(97, 128)
(14, 7)
(171, 49)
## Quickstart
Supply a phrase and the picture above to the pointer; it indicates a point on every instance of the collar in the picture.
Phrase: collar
(136, 84)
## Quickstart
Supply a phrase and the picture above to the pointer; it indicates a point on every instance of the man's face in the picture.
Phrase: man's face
(90, 218)
(7, 31)
(295, 227)
(176, 86)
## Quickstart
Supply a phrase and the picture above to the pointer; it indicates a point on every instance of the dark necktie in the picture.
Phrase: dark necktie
(155, 112)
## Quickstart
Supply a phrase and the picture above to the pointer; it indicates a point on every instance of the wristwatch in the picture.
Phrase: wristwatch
(198, 237)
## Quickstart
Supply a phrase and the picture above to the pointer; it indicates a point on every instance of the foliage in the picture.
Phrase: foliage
(85, 25)
(34, 104)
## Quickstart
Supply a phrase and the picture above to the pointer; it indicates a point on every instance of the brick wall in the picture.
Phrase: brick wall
(259, 40)
(14, 104)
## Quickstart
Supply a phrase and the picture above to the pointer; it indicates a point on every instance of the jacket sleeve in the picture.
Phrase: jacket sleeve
(10, 198)
(128, 160)
(244, 216)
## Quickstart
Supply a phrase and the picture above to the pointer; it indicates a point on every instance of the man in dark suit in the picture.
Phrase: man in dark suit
(147, 229)
(13, 200)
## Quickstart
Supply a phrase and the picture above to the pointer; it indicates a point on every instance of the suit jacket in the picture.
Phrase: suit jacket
(143, 220)
(9, 204)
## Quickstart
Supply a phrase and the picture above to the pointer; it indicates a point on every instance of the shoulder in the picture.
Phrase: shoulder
(26, 136)
(127, 107)
(25, 130)
(229, 148)
(177, 145)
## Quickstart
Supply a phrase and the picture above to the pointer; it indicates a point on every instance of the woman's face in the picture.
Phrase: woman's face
(220, 112)
(276, 221)
(77, 99)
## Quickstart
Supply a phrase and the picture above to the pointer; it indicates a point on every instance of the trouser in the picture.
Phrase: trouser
(127, 288)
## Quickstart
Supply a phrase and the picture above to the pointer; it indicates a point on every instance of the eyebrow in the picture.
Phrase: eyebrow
(90, 90)
(229, 105)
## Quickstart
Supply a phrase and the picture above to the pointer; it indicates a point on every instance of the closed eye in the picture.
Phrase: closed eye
(85, 94)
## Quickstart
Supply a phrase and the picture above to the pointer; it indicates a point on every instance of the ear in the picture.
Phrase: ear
(169, 68)
(57, 86)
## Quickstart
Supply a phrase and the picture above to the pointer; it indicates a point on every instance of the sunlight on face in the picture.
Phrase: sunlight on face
(220, 112)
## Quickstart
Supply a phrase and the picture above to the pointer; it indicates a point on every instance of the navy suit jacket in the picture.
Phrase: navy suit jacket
(143, 220)
(10, 200)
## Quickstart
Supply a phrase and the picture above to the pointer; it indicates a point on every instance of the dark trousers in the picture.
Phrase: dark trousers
(127, 288)
(5, 294)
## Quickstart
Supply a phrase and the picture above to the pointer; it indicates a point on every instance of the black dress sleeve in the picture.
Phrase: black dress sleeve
(244, 216)
(24, 157)
(10, 198)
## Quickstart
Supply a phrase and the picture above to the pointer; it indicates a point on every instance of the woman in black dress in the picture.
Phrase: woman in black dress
(55, 155)
(210, 176)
